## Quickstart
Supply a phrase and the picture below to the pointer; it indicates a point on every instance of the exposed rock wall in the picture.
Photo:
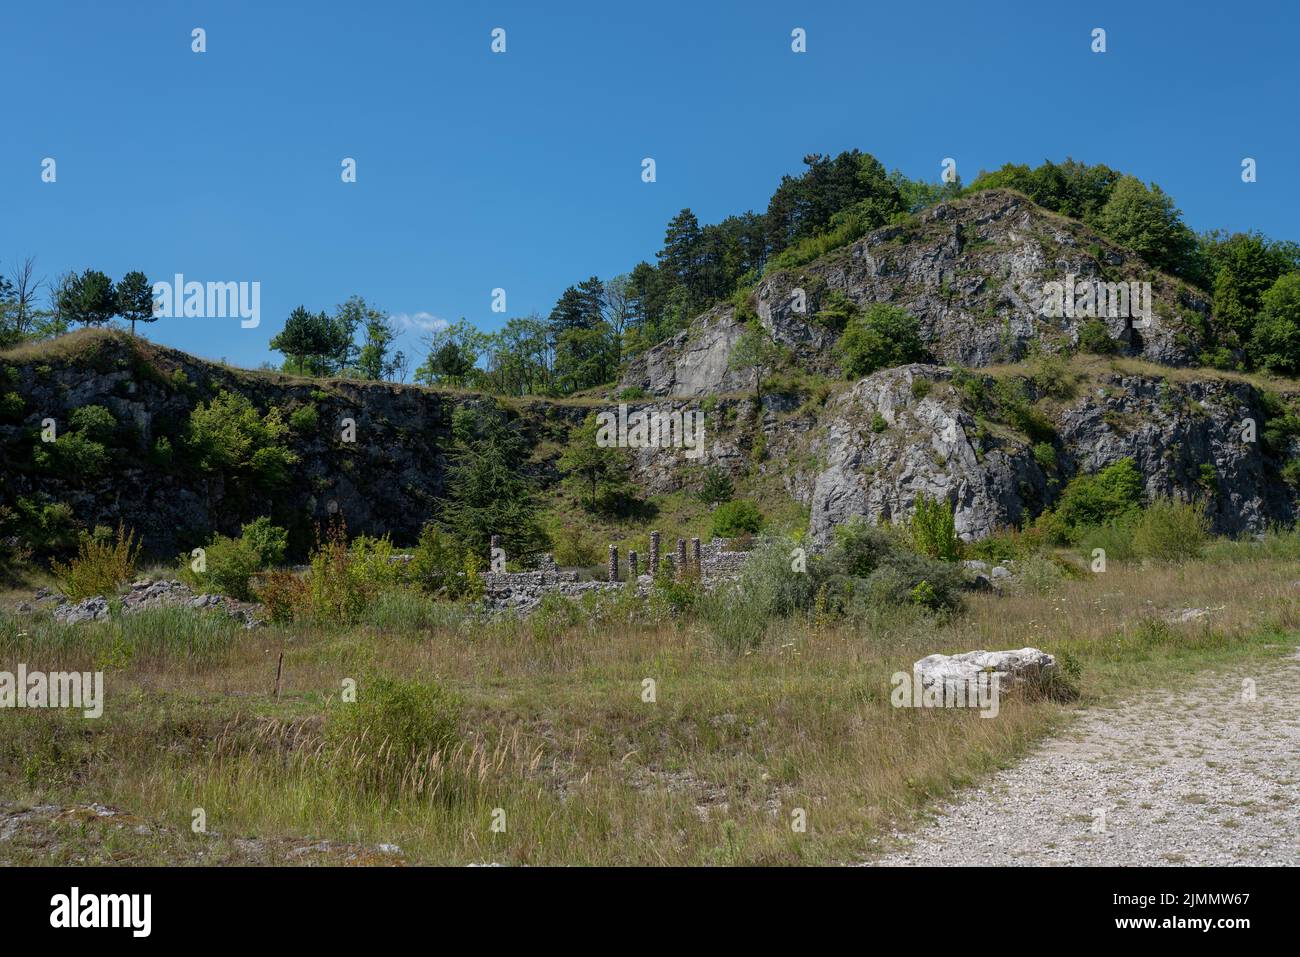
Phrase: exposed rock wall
(930, 445)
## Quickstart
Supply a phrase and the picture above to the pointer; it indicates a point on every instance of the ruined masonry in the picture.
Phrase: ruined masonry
(711, 563)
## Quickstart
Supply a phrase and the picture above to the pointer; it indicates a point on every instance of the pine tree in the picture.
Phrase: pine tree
(135, 299)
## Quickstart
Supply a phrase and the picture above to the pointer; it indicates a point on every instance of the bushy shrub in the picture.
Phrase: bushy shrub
(444, 567)
(1275, 342)
(768, 587)
(883, 337)
(94, 422)
(305, 418)
(1115, 538)
(904, 577)
(11, 407)
(1171, 531)
(737, 517)
(554, 615)
(72, 454)
(1007, 543)
(161, 453)
(229, 564)
(1096, 499)
(270, 541)
(1094, 337)
(872, 565)
(385, 740)
(284, 594)
(836, 312)
(1041, 573)
(100, 567)
(228, 434)
(932, 530)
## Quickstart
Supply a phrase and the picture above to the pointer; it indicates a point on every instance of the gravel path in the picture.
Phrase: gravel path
(1192, 777)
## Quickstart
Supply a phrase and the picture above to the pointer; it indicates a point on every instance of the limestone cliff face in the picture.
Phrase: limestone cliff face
(973, 273)
(883, 448)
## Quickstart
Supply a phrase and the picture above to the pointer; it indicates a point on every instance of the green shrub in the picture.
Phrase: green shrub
(883, 337)
(1040, 573)
(1291, 472)
(390, 734)
(836, 312)
(229, 564)
(72, 454)
(920, 388)
(100, 567)
(1171, 531)
(229, 435)
(1096, 499)
(554, 615)
(878, 423)
(94, 422)
(270, 541)
(1045, 456)
(869, 565)
(767, 588)
(1094, 337)
(444, 567)
(932, 530)
(11, 407)
(735, 518)
(632, 393)
(305, 418)
(1115, 538)
(1275, 342)
(227, 568)
(161, 454)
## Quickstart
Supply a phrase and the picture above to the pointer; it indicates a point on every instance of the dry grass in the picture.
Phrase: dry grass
(557, 737)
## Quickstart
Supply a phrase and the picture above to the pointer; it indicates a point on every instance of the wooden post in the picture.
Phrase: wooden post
(279, 670)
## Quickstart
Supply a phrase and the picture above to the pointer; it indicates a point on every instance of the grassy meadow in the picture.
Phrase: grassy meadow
(476, 739)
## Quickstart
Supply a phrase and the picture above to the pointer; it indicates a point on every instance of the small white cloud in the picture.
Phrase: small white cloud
(422, 321)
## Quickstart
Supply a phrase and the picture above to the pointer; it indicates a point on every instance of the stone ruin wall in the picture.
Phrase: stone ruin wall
(523, 591)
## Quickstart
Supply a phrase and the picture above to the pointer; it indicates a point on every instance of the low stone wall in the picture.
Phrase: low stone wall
(524, 591)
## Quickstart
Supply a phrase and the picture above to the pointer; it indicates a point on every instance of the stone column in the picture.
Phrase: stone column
(654, 554)
(613, 563)
(492, 553)
(695, 556)
(631, 566)
(681, 557)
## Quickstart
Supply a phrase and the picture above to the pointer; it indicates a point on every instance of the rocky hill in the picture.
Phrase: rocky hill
(1000, 419)
(972, 272)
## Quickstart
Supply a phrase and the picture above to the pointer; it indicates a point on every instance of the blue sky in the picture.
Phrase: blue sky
(522, 170)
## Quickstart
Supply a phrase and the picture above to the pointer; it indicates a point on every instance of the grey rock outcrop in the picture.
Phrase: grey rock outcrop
(885, 445)
(877, 468)
(973, 272)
